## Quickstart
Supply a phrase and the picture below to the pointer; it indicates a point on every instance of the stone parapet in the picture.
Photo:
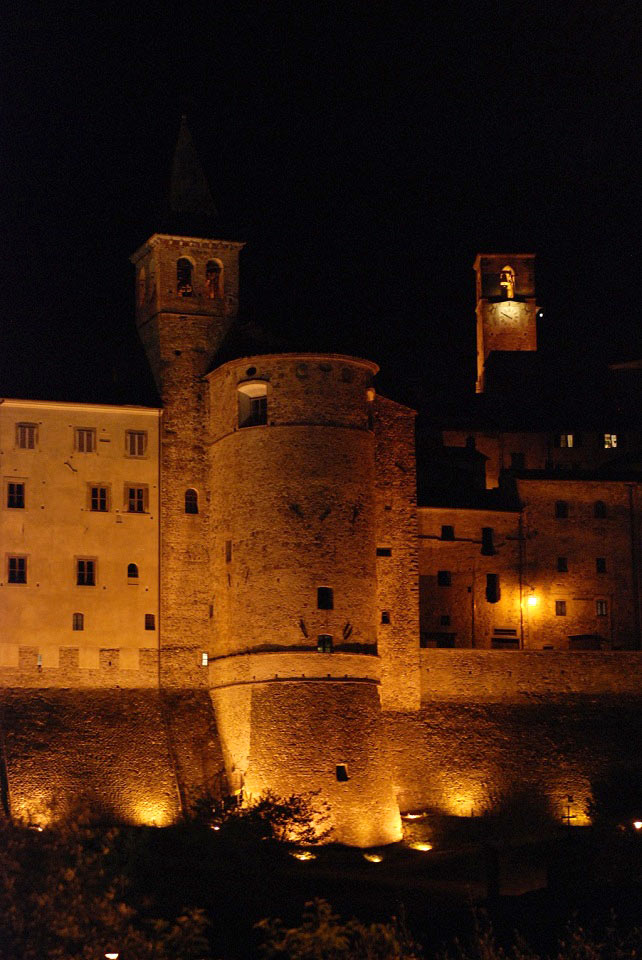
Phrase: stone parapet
(292, 665)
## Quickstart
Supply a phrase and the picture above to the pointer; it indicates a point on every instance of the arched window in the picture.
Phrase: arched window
(132, 571)
(599, 509)
(252, 400)
(184, 277)
(214, 279)
(191, 501)
(507, 281)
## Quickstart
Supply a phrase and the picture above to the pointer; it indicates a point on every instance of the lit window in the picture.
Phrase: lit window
(214, 279)
(26, 436)
(204, 659)
(191, 501)
(99, 499)
(565, 440)
(342, 773)
(488, 545)
(325, 598)
(252, 403)
(16, 495)
(17, 572)
(132, 571)
(86, 573)
(184, 277)
(444, 578)
(447, 532)
(324, 643)
(610, 441)
(77, 621)
(600, 564)
(599, 509)
(507, 281)
(136, 443)
(150, 621)
(601, 608)
(385, 616)
(560, 608)
(492, 587)
(562, 565)
(561, 509)
(136, 499)
(85, 440)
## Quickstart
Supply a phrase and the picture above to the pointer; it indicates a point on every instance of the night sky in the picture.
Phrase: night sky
(365, 152)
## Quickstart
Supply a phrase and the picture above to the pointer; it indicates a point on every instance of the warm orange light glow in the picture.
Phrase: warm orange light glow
(112, 956)
(152, 814)
(423, 847)
(413, 816)
(637, 824)
(373, 857)
(532, 601)
(303, 855)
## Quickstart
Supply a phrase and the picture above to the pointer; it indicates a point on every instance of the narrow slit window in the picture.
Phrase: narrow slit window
(205, 659)
(325, 598)
(191, 501)
(228, 551)
(77, 621)
(492, 587)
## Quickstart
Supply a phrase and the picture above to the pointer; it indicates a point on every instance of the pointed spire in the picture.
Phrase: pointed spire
(191, 205)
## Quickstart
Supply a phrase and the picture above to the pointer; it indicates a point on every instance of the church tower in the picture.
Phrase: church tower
(186, 300)
(506, 307)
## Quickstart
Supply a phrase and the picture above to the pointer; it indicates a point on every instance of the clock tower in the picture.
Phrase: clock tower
(506, 307)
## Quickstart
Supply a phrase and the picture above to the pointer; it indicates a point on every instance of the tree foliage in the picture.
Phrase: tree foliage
(297, 819)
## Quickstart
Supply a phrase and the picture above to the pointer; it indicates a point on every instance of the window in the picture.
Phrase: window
(16, 495)
(26, 435)
(184, 277)
(610, 441)
(86, 573)
(205, 659)
(136, 499)
(342, 773)
(384, 551)
(191, 501)
(444, 620)
(325, 598)
(565, 440)
(447, 532)
(488, 545)
(562, 565)
(252, 403)
(492, 587)
(132, 571)
(99, 502)
(78, 621)
(599, 510)
(444, 578)
(150, 621)
(560, 608)
(507, 282)
(324, 643)
(517, 461)
(601, 608)
(214, 279)
(17, 572)
(136, 443)
(600, 564)
(228, 551)
(385, 616)
(561, 509)
(85, 440)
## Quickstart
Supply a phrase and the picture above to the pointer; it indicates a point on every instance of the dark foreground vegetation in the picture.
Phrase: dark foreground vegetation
(229, 884)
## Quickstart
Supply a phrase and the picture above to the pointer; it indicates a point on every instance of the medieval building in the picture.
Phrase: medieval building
(236, 590)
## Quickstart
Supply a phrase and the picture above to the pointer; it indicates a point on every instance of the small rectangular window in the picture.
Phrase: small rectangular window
(252, 404)
(601, 608)
(85, 573)
(228, 551)
(324, 643)
(85, 440)
(205, 659)
(561, 509)
(325, 598)
(77, 621)
(447, 532)
(17, 570)
(488, 542)
(16, 495)
(444, 578)
(562, 565)
(342, 773)
(600, 564)
(384, 551)
(136, 443)
(150, 621)
(26, 436)
(564, 440)
(136, 499)
(610, 441)
(560, 608)
(492, 587)
(98, 498)
(385, 616)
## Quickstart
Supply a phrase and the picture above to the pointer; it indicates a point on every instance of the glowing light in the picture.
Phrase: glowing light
(303, 855)
(373, 857)
(413, 816)
(214, 826)
(152, 815)
(112, 956)
(637, 824)
(532, 601)
(423, 847)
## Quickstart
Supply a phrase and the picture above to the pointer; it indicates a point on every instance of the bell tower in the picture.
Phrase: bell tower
(186, 300)
(506, 306)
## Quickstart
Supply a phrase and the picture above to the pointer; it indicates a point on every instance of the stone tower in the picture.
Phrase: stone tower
(186, 299)
(506, 308)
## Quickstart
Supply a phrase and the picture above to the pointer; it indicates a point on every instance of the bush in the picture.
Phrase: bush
(616, 797)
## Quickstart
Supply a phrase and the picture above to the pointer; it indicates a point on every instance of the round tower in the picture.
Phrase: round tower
(294, 671)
